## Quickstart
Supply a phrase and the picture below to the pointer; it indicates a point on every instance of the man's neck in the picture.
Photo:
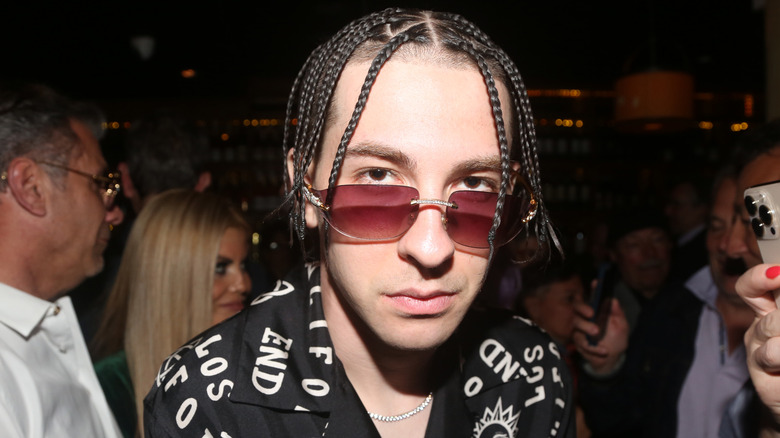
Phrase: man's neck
(28, 278)
(388, 381)
(27, 263)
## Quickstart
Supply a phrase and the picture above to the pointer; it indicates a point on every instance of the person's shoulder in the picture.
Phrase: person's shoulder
(219, 340)
(497, 336)
(504, 324)
(182, 380)
(675, 299)
(510, 366)
(202, 373)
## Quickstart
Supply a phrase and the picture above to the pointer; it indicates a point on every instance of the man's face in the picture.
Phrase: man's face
(742, 242)
(725, 270)
(684, 209)
(642, 256)
(554, 309)
(431, 128)
(82, 222)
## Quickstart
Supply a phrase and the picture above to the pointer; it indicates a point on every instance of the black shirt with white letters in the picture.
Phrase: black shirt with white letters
(271, 371)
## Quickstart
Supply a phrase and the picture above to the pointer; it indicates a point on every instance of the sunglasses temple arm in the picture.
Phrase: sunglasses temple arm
(313, 199)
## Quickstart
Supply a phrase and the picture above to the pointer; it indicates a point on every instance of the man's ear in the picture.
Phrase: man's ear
(204, 181)
(312, 215)
(29, 185)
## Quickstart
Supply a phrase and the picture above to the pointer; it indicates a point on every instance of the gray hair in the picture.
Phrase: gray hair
(35, 122)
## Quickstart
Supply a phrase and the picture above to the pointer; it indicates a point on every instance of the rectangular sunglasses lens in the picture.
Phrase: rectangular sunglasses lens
(516, 208)
(470, 223)
(372, 212)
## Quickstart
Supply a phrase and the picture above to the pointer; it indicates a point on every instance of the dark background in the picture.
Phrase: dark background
(245, 55)
(84, 49)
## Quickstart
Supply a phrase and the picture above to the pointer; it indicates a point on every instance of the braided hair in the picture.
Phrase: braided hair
(407, 33)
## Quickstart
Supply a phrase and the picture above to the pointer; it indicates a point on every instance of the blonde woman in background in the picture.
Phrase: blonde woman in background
(182, 271)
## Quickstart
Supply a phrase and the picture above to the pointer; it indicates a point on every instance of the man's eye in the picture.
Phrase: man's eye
(717, 225)
(479, 183)
(377, 174)
(472, 182)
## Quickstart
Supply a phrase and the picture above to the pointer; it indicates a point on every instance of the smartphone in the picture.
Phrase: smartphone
(601, 300)
(762, 202)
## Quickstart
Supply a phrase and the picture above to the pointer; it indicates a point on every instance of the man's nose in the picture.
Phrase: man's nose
(427, 243)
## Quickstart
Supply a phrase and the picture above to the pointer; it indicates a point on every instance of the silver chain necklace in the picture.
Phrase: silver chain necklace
(393, 418)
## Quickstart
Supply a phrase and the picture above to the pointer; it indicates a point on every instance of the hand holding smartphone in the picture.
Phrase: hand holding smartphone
(762, 202)
(601, 300)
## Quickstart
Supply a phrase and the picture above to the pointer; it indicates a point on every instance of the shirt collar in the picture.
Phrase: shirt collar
(23, 312)
(292, 312)
(702, 285)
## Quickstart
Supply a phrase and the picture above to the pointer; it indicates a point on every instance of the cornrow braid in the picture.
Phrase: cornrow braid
(378, 37)
(542, 226)
(373, 71)
(530, 158)
(318, 78)
(503, 144)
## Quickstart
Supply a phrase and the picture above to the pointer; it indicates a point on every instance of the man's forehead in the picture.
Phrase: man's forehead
(354, 74)
(725, 195)
(404, 73)
(763, 169)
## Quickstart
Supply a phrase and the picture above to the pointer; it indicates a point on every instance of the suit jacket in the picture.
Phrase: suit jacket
(640, 400)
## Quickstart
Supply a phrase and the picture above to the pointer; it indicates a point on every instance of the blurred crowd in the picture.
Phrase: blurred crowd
(109, 278)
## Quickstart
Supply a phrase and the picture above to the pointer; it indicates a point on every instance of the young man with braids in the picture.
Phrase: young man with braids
(402, 126)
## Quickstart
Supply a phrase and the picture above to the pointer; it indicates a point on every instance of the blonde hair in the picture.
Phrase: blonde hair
(162, 294)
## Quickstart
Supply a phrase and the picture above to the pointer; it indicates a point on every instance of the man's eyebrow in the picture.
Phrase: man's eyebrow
(379, 150)
(483, 164)
(382, 151)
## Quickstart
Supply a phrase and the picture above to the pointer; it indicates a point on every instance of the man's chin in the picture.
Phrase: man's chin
(97, 267)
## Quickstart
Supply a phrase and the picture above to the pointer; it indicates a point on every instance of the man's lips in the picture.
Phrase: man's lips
(421, 303)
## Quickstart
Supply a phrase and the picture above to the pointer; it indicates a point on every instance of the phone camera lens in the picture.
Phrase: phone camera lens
(758, 228)
(750, 204)
(765, 214)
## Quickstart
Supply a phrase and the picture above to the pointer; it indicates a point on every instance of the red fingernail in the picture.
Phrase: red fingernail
(773, 272)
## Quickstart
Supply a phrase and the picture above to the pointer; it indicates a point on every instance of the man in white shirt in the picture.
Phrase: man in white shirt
(56, 212)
